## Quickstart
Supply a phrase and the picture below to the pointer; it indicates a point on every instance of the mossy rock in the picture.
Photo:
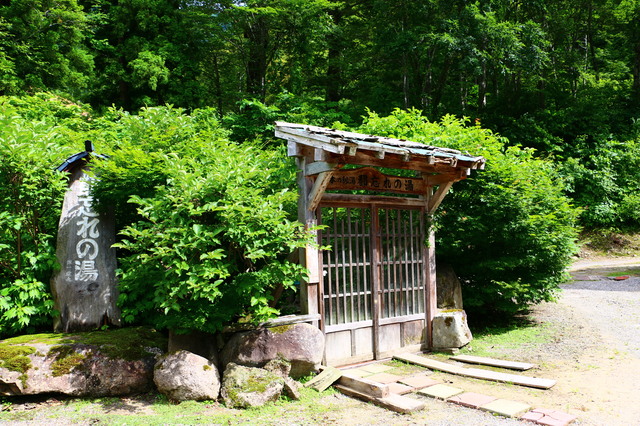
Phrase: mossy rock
(98, 363)
(245, 387)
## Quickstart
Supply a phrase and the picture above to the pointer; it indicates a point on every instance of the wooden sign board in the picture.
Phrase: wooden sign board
(370, 179)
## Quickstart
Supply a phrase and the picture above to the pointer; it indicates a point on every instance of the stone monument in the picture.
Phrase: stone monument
(84, 289)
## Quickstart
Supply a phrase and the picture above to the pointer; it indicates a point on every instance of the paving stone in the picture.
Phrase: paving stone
(549, 417)
(356, 372)
(400, 389)
(532, 416)
(471, 399)
(440, 391)
(385, 378)
(376, 368)
(506, 408)
(420, 382)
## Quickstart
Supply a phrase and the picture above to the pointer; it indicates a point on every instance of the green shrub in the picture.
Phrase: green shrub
(31, 192)
(508, 231)
(212, 230)
(604, 182)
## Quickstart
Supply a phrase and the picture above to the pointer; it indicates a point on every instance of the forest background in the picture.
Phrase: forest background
(549, 92)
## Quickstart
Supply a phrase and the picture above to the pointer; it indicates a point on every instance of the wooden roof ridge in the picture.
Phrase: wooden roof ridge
(340, 140)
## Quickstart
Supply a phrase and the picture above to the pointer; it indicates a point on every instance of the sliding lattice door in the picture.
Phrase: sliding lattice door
(373, 274)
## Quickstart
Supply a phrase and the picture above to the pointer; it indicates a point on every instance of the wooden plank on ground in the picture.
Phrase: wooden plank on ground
(394, 402)
(517, 379)
(477, 373)
(511, 365)
(429, 363)
(326, 378)
(364, 386)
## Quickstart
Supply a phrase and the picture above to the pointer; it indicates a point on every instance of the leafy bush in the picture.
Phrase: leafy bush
(604, 181)
(213, 231)
(508, 231)
(31, 193)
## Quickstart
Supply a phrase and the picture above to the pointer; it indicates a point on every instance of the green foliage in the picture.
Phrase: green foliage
(255, 119)
(44, 47)
(508, 231)
(31, 191)
(213, 229)
(604, 181)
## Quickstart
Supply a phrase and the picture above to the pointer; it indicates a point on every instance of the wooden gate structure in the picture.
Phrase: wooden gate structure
(372, 273)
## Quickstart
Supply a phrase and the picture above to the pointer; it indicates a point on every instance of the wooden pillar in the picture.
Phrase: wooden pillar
(431, 294)
(430, 283)
(309, 291)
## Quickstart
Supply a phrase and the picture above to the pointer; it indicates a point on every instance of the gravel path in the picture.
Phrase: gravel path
(612, 307)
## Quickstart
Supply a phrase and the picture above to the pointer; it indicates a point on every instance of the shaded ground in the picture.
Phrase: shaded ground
(589, 342)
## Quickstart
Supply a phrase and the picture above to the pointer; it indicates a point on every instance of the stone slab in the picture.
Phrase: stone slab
(471, 399)
(384, 378)
(356, 372)
(549, 417)
(400, 389)
(419, 382)
(440, 391)
(401, 404)
(506, 408)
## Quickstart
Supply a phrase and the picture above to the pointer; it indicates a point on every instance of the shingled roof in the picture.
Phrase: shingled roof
(339, 142)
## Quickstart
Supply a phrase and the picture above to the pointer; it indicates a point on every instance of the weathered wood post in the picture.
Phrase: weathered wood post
(84, 289)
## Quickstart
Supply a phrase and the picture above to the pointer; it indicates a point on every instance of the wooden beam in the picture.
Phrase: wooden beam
(439, 179)
(317, 141)
(319, 154)
(397, 161)
(372, 199)
(318, 167)
(438, 196)
(319, 186)
(293, 149)
(363, 385)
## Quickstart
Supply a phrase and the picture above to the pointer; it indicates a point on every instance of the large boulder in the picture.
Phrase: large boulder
(450, 329)
(184, 376)
(448, 287)
(245, 387)
(194, 341)
(99, 363)
(301, 344)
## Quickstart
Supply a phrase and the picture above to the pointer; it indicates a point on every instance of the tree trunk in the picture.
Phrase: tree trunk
(257, 33)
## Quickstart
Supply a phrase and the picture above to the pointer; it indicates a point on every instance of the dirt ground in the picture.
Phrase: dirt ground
(594, 355)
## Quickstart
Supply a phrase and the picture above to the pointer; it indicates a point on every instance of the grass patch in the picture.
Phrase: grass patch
(610, 242)
(633, 272)
(155, 409)
(402, 368)
(516, 333)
